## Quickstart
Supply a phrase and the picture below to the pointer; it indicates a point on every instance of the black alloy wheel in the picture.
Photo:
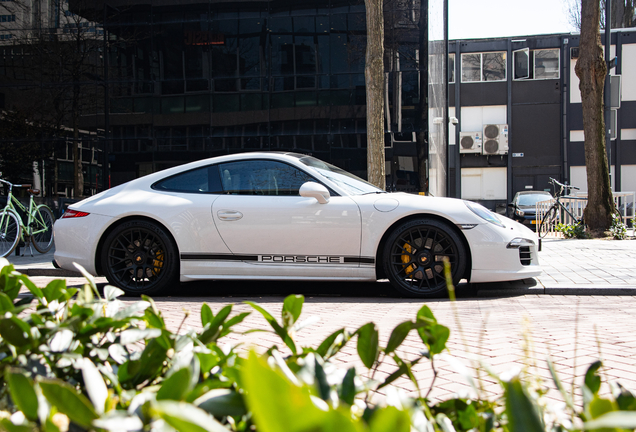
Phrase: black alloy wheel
(414, 255)
(140, 258)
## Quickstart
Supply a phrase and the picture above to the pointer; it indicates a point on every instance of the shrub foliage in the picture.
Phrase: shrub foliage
(75, 360)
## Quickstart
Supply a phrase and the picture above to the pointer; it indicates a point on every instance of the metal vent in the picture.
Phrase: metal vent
(467, 142)
(491, 146)
(525, 255)
(491, 131)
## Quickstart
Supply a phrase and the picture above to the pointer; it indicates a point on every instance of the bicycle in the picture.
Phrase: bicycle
(38, 229)
(553, 214)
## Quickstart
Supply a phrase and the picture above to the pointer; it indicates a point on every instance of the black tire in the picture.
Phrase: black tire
(43, 241)
(9, 232)
(547, 222)
(140, 258)
(413, 254)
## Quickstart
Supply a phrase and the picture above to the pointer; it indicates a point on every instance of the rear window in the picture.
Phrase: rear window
(199, 180)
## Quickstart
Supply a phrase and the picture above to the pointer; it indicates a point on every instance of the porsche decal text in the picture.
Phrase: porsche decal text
(317, 259)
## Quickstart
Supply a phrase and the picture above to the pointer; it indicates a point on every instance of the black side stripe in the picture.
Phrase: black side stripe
(230, 257)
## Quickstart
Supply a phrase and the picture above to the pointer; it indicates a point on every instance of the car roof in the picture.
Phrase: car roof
(534, 192)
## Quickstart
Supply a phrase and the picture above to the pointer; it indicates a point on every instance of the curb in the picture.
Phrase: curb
(51, 272)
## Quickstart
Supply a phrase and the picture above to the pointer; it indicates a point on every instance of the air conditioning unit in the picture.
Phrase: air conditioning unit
(495, 139)
(470, 142)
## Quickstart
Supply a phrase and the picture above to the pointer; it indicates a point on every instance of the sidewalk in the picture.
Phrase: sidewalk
(570, 267)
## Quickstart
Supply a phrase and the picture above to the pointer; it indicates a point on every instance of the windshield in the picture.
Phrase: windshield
(350, 183)
(532, 199)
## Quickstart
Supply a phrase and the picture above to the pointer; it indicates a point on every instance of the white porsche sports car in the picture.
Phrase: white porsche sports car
(285, 216)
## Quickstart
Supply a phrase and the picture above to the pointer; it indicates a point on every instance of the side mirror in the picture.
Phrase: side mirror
(512, 205)
(315, 190)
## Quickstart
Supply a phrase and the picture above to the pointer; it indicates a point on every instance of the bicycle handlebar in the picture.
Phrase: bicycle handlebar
(15, 185)
(563, 186)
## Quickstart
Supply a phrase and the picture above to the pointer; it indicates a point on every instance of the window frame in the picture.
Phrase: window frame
(481, 66)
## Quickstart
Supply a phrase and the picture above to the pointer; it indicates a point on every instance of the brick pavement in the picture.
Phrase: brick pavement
(580, 309)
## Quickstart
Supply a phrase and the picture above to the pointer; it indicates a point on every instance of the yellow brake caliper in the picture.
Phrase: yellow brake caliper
(406, 258)
(157, 263)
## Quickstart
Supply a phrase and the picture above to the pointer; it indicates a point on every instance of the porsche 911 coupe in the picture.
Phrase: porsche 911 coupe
(285, 216)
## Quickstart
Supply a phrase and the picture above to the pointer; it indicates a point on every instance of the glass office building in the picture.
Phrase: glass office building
(185, 80)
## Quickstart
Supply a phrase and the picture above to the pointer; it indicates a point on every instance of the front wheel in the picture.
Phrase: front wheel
(42, 229)
(9, 232)
(548, 222)
(140, 258)
(414, 253)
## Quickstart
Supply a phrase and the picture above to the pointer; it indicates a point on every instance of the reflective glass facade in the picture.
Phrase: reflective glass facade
(194, 79)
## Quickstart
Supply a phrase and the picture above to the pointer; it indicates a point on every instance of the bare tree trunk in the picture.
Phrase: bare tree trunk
(374, 75)
(591, 70)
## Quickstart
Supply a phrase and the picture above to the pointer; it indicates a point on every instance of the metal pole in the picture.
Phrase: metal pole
(105, 162)
(607, 89)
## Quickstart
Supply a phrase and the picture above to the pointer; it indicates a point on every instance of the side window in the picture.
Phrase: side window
(262, 177)
(200, 180)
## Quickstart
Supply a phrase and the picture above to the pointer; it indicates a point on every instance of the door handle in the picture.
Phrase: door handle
(229, 215)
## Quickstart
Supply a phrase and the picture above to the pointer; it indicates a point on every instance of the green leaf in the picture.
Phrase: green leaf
(592, 380)
(614, 419)
(280, 331)
(176, 386)
(324, 389)
(292, 308)
(66, 399)
(95, 385)
(54, 290)
(521, 411)
(333, 343)
(368, 344)
(22, 393)
(390, 419)
(599, 406)
(15, 331)
(276, 404)
(212, 331)
(8, 426)
(347, 391)
(222, 402)
(557, 382)
(6, 304)
(398, 335)
(206, 314)
(187, 418)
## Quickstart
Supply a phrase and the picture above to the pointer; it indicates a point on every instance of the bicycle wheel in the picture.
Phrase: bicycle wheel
(42, 229)
(548, 222)
(9, 232)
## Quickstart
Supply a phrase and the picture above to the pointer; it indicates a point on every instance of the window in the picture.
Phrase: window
(479, 67)
(199, 180)
(262, 177)
(536, 64)
(546, 64)
(451, 68)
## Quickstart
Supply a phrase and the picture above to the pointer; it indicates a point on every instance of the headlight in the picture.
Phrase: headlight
(519, 212)
(484, 213)
(519, 242)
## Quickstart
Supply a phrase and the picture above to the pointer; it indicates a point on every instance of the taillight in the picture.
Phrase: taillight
(74, 214)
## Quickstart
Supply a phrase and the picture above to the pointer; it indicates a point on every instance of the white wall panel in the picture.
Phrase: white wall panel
(474, 118)
(628, 134)
(484, 183)
(578, 177)
(628, 178)
(629, 72)
(577, 136)
(451, 127)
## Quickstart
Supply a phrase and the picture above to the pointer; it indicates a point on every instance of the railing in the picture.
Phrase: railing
(625, 203)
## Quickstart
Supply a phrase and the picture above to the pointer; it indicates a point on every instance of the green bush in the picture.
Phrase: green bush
(618, 230)
(572, 230)
(73, 360)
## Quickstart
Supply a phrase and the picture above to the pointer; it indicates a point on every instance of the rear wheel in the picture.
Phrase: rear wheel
(9, 232)
(140, 258)
(43, 229)
(548, 222)
(414, 255)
